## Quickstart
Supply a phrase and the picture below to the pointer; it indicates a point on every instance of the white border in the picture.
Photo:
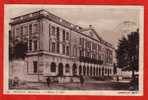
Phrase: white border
(76, 92)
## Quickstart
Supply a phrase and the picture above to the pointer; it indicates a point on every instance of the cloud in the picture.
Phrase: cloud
(104, 19)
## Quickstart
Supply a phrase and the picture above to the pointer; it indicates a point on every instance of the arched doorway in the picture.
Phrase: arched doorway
(87, 70)
(94, 71)
(91, 71)
(97, 71)
(80, 70)
(84, 70)
(74, 69)
(67, 68)
(60, 69)
(108, 72)
(103, 71)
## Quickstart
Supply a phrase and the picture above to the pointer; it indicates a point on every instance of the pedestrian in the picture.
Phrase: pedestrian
(81, 80)
(48, 81)
(16, 81)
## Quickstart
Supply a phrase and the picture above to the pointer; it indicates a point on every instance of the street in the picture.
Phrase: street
(90, 85)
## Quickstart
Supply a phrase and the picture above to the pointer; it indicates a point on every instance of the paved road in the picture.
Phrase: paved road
(92, 85)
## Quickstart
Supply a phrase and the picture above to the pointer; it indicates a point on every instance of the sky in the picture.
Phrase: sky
(108, 21)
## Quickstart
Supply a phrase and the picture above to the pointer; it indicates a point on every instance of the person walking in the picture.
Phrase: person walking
(81, 80)
(48, 81)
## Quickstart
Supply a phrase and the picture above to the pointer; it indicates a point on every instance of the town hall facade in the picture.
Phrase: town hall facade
(59, 49)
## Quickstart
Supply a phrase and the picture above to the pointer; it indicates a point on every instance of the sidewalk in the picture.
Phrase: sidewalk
(92, 85)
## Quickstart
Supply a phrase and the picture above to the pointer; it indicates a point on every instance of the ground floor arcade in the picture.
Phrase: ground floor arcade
(38, 68)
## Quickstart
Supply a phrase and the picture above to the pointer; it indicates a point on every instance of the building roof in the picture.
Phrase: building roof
(56, 19)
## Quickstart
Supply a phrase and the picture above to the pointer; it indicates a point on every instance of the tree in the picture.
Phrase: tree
(133, 50)
(128, 52)
(122, 53)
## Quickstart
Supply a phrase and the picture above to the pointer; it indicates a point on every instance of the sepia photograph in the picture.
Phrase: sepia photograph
(73, 49)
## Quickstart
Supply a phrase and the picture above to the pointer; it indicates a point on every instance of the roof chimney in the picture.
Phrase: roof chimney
(90, 27)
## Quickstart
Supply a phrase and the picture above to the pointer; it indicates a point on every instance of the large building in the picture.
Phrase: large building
(60, 49)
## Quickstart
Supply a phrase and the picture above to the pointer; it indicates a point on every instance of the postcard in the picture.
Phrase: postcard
(73, 49)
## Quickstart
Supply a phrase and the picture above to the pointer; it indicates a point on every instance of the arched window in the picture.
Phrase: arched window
(53, 67)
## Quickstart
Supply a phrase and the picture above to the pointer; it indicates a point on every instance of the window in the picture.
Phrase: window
(26, 44)
(63, 35)
(99, 48)
(13, 32)
(53, 30)
(58, 47)
(17, 32)
(74, 69)
(35, 28)
(80, 70)
(30, 45)
(35, 67)
(63, 49)
(49, 30)
(84, 70)
(53, 47)
(99, 57)
(25, 29)
(35, 45)
(105, 71)
(67, 35)
(30, 28)
(67, 68)
(81, 53)
(53, 67)
(110, 71)
(82, 43)
(94, 70)
(21, 30)
(74, 50)
(49, 46)
(67, 50)
(58, 34)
